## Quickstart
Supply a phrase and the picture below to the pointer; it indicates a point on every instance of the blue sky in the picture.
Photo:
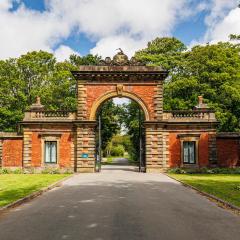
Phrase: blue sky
(65, 27)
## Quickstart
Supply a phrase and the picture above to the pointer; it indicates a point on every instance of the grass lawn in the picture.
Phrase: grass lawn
(224, 186)
(16, 186)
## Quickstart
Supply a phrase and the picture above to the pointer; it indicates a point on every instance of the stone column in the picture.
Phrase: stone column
(82, 97)
(85, 150)
(27, 149)
(155, 155)
(1, 153)
(158, 101)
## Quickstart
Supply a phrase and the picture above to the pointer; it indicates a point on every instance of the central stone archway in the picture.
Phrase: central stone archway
(119, 78)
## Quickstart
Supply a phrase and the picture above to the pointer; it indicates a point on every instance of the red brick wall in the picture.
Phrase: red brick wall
(12, 153)
(175, 150)
(65, 150)
(228, 153)
(36, 150)
(144, 92)
(203, 150)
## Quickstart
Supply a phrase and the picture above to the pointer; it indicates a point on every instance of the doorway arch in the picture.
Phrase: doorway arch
(138, 137)
(113, 94)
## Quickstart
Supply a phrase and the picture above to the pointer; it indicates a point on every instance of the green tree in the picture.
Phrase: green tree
(31, 75)
(132, 118)
(212, 71)
(165, 52)
(110, 124)
(85, 60)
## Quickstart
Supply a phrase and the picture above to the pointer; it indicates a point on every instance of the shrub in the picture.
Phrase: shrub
(204, 170)
(117, 151)
(50, 170)
(17, 171)
(5, 171)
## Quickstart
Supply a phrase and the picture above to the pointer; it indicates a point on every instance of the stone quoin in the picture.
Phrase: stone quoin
(67, 140)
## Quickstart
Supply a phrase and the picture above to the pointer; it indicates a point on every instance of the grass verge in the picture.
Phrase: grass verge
(17, 186)
(223, 186)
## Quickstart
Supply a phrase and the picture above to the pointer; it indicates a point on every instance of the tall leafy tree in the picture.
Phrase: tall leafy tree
(31, 75)
(84, 60)
(110, 124)
(212, 71)
(132, 118)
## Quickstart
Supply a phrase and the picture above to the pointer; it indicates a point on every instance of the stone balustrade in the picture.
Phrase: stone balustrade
(189, 115)
(49, 115)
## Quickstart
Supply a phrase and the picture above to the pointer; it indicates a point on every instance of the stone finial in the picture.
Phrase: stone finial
(200, 100)
(201, 104)
(38, 100)
(37, 105)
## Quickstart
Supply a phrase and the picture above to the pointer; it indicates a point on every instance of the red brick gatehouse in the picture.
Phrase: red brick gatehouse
(66, 140)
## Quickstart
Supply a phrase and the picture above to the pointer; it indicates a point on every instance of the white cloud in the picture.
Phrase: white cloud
(230, 24)
(5, 4)
(112, 24)
(218, 10)
(107, 46)
(121, 23)
(26, 30)
(63, 53)
(223, 19)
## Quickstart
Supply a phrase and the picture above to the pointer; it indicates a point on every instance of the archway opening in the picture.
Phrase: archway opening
(120, 135)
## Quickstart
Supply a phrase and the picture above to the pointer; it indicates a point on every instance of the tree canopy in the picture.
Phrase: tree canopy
(212, 71)
(36, 74)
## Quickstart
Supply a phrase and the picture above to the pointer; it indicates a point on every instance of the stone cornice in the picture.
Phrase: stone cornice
(120, 73)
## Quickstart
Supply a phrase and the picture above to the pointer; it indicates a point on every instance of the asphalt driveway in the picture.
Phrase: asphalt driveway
(120, 203)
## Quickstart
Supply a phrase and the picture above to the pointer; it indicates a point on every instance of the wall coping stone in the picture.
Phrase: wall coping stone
(228, 135)
(10, 135)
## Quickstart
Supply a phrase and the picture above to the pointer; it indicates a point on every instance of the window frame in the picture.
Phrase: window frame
(50, 137)
(189, 154)
(45, 151)
(189, 138)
